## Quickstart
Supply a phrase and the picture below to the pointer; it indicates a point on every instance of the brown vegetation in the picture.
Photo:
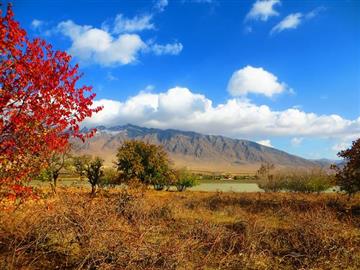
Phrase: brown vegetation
(142, 229)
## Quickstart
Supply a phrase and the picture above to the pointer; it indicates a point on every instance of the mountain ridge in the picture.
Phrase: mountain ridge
(193, 150)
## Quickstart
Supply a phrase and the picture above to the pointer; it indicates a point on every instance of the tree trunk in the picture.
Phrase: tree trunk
(55, 178)
(181, 188)
(54, 182)
(93, 190)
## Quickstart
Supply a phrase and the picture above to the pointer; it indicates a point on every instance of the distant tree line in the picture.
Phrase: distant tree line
(149, 164)
(136, 161)
(346, 177)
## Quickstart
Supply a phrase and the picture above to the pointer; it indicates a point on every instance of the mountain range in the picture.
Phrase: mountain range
(193, 150)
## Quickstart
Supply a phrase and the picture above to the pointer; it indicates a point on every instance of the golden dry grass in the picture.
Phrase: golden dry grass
(143, 229)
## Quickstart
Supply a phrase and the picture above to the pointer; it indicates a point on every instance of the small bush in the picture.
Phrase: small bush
(110, 178)
(271, 184)
(297, 181)
(314, 181)
(185, 179)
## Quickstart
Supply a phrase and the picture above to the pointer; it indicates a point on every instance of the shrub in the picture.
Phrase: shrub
(185, 179)
(271, 184)
(134, 230)
(297, 181)
(304, 181)
(267, 181)
(110, 178)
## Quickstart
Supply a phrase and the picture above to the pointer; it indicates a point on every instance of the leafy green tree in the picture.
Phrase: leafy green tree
(348, 175)
(145, 162)
(185, 179)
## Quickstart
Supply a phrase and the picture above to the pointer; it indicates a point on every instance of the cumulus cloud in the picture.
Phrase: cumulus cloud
(101, 47)
(291, 21)
(263, 10)
(171, 48)
(95, 45)
(136, 24)
(265, 143)
(254, 80)
(181, 108)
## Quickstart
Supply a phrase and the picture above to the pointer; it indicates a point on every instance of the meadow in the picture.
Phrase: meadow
(139, 228)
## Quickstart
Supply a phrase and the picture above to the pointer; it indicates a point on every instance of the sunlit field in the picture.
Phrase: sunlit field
(144, 229)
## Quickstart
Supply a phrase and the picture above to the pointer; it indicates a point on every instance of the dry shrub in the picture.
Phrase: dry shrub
(80, 232)
(139, 229)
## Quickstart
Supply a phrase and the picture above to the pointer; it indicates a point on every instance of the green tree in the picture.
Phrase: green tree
(185, 179)
(348, 175)
(145, 162)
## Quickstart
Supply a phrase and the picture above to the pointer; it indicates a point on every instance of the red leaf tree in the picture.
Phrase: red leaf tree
(40, 105)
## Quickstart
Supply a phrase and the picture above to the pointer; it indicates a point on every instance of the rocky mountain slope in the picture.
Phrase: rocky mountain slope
(193, 150)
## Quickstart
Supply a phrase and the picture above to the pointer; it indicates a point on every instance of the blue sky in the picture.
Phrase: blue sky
(285, 73)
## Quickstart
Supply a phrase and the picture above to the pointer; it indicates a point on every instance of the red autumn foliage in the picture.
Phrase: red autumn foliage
(19, 191)
(40, 105)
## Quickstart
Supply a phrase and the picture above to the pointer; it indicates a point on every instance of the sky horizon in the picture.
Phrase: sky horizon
(285, 74)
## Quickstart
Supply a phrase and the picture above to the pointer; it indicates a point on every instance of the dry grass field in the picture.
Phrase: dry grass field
(145, 229)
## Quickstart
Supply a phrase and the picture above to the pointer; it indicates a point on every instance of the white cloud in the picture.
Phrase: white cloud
(315, 12)
(160, 5)
(172, 49)
(180, 108)
(263, 10)
(265, 143)
(296, 141)
(292, 21)
(35, 24)
(254, 80)
(96, 45)
(136, 24)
